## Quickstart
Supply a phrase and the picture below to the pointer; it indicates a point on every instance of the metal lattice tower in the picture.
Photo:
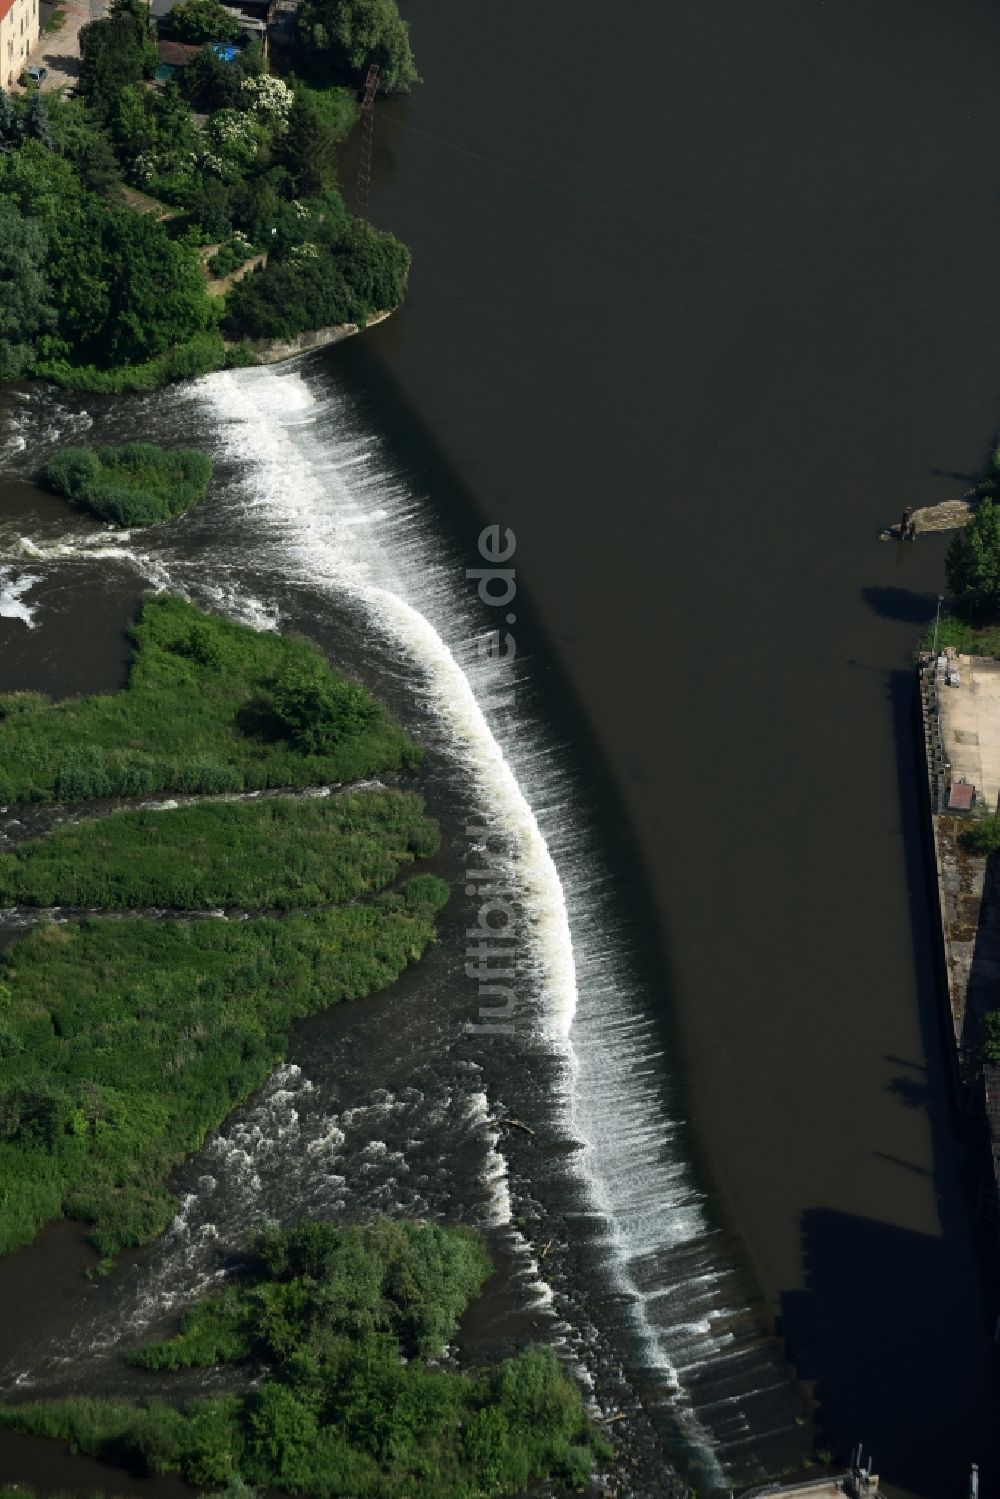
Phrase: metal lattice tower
(367, 136)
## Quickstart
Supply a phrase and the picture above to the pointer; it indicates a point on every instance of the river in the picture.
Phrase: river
(702, 297)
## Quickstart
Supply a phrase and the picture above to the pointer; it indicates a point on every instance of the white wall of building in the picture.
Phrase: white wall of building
(19, 28)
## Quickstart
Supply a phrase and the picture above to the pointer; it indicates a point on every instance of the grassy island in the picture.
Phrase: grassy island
(276, 853)
(123, 1042)
(343, 1323)
(138, 484)
(211, 706)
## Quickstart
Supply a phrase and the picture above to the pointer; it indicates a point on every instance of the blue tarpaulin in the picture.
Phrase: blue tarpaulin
(224, 50)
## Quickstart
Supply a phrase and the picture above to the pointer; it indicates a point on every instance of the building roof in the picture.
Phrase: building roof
(6, 6)
(961, 797)
(177, 54)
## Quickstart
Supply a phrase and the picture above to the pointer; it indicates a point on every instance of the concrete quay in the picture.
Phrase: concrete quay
(857, 1483)
(960, 713)
(960, 719)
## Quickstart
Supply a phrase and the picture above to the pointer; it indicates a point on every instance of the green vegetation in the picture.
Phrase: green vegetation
(197, 716)
(273, 853)
(983, 835)
(56, 22)
(335, 279)
(967, 639)
(23, 288)
(99, 295)
(973, 566)
(124, 1042)
(199, 356)
(343, 1322)
(196, 21)
(340, 38)
(134, 485)
(115, 53)
(230, 255)
(990, 1049)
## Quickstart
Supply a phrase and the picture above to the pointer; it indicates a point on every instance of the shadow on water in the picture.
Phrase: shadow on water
(50, 1467)
(903, 604)
(545, 695)
(893, 1323)
(748, 1383)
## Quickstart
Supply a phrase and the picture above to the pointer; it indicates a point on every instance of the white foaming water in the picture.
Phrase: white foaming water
(40, 420)
(13, 587)
(334, 519)
(293, 1143)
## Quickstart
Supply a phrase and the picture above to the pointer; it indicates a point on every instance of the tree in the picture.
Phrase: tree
(10, 123)
(343, 37)
(375, 266)
(287, 297)
(973, 565)
(36, 120)
(318, 712)
(204, 21)
(308, 149)
(83, 143)
(115, 52)
(25, 311)
(156, 291)
(210, 207)
(212, 83)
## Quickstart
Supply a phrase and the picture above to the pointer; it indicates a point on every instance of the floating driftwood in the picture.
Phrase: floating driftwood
(948, 516)
(515, 1124)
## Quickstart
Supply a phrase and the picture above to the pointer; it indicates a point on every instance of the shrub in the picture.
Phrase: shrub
(134, 485)
(318, 713)
(229, 257)
(990, 1049)
(188, 360)
(983, 835)
(285, 298)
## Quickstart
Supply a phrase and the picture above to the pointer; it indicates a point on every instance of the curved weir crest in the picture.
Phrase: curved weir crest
(338, 521)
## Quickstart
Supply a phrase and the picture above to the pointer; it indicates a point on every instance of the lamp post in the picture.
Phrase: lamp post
(937, 622)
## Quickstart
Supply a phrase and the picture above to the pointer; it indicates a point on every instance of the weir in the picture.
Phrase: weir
(311, 526)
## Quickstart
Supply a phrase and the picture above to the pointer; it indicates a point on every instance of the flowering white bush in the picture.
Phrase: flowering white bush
(215, 165)
(303, 252)
(229, 128)
(162, 171)
(270, 98)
